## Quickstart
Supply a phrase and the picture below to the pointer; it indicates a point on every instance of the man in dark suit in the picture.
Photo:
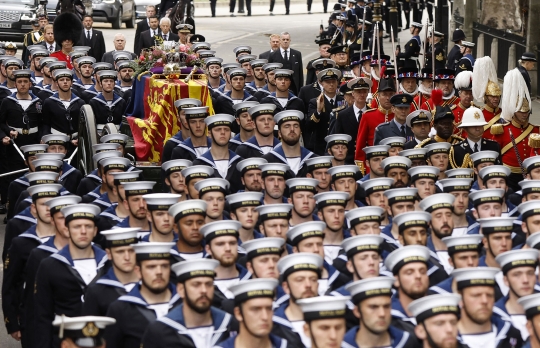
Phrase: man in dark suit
(347, 121)
(119, 45)
(143, 26)
(48, 39)
(397, 127)
(274, 46)
(291, 59)
(147, 37)
(165, 28)
(92, 38)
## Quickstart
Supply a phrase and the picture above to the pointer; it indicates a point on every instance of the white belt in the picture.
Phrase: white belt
(25, 131)
(55, 131)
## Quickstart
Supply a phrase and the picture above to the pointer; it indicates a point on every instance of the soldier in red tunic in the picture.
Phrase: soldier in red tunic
(424, 89)
(374, 117)
(376, 76)
(67, 31)
(444, 80)
(513, 137)
(486, 88)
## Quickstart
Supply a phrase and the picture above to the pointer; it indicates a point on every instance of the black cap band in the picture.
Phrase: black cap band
(195, 274)
(361, 296)
(121, 242)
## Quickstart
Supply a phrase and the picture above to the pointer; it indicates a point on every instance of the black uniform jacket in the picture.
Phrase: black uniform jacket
(294, 103)
(15, 226)
(251, 148)
(458, 153)
(318, 126)
(347, 123)
(233, 175)
(105, 113)
(278, 156)
(59, 119)
(186, 150)
(102, 293)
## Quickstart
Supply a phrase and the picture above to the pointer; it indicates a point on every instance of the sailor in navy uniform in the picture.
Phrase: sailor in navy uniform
(36, 55)
(9, 65)
(364, 220)
(150, 299)
(317, 168)
(198, 142)
(174, 182)
(303, 202)
(292, 154)
(190, 241)
(494, 198)
(274, 176)
(82, 331)
(270, 80)
(108, 107)
(245, 123)
(283, 98)
(19, 251)
(105, 192)
(176, 328)
(63, 277)
(94, 90)
(215, 80)
(401, 104)
(125, 71)
(502, 333)
(287, 323)
(50, 90)
(73, 57)
(214, 192)
(466, 63)
(343, 178)
(59, 143)
(251, 174)
(335, 231)
(133, 192)
(242, 208)
(55, 243)
(92, 181)
(120, 278)
(262, 256)
(85, 72)
(263, 140)
(245, 292)
(376, 292)
(194, 174)
(269, 227)
(158, 205)
(47, 77)
(409, 58)
(531, 305)
(460, 188)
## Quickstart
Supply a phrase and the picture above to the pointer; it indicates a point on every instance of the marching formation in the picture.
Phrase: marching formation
(371, 204)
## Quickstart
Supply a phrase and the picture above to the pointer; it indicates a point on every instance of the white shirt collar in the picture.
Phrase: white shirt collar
(356, 110)
(330, 99)
(471, 144)
(86, 31)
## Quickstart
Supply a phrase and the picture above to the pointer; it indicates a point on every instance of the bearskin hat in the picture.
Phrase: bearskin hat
(67, 26)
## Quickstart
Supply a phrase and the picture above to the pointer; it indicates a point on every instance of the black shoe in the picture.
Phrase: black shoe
(240, 11)
(3, 209)
(386, 36)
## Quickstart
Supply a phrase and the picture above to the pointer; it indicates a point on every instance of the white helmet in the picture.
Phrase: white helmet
(473, 117)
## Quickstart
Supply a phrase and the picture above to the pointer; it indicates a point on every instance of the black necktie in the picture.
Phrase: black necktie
(50, 48)
(165, 37)
(403, 131)
(475, 147)
(332, 103)
(286, 56)
(88, 35)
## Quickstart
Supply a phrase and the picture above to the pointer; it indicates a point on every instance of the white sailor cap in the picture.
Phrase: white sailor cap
(404, 194)
(414, 154)
(299, 262)
(467, 44)
(486, 196)
(418, 116)
(98, 148)
(114, 139)
(241, 49)
(47, 165)
(533, 241)
(258, 63)
(244, 199)
(222, 228)
(531, 305)
(176, 165)
(218, 120)
(187, 103)
(184, 28)
(467, 242)
(138, 188)
(203, 54)
(244, 107)
(212, 185)
(323, 307)
(197, 172)
(517, 258)
(417, 25)
(484, 156)
(529, 186)
(393, 141)
(200, 45)
(319, 162)
(189, 207)
(263, 246)
(253, 288)
(274, 169)
(323, 63)
(283, 73)
(56, 204)
(120, 237)
(110, 163)
(396, 162)
(344, 171)
(432, 305)
(44, 191)
(329, 74)
(336, 139)
(236, 72)
(405, 255)
(364, 214)
(531, 163)
(160, 201)
(437, 201)
(58, 156)
(496, 225)
(436, 148)
(495, 171)
(370, 287)
(55, 139)
(80, 211)
(271, 66)
(32, 150)
(227, 66)
(460, 173)
(452, 185)
(288, 115)
(250, 164)
(376, 185)
(153, 251)
(305, 230)
(262, 109)
(38, 178)
(190, 269)
(325, 199)
(85, 332)
(529, 208)
(424, 172)
(196, 112)
(475, 276)
(119, 178)
(274, 211)
(412, 219)
(361, 243)
(302, 184)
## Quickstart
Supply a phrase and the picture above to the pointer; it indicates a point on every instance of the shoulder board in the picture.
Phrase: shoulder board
(421, 145)
(368, 110)
(497, 129)
(453, 107)
(534, 140)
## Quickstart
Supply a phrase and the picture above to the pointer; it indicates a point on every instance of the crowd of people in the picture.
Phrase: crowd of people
(358, 206)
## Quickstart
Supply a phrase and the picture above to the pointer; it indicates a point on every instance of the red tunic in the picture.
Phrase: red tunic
(491, 116)
(458, 110)
(428, 105)
(416, 104)
(521, 138)
(366, 130)
(63, 58)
